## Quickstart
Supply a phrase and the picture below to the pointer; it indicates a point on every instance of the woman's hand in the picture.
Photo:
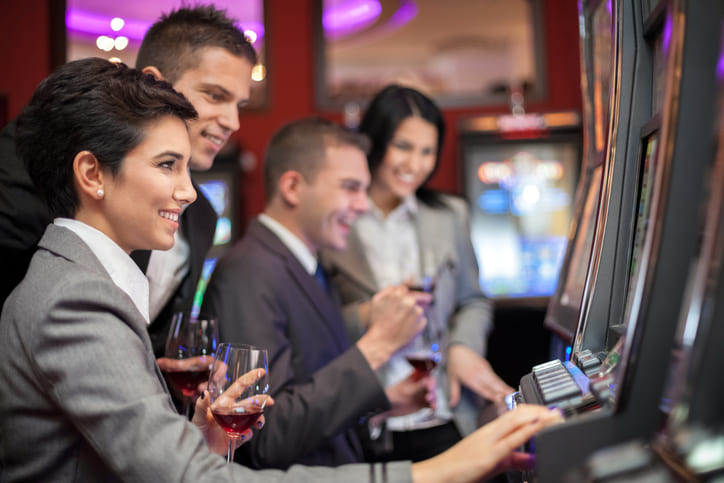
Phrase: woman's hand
(216, 437)
(466, 367)
(489, 450)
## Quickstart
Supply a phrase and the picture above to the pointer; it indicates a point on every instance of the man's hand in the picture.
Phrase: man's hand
(466, 367)
(490, 449)
(364, 309)
(411, 394)
(395, 318)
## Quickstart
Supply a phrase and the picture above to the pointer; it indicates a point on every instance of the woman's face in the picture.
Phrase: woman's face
(142, 204)
(409, 159)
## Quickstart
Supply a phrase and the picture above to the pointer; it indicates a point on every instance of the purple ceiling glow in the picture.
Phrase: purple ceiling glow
(342, 18)
(90, 23)
(407, 11)
(83, 22)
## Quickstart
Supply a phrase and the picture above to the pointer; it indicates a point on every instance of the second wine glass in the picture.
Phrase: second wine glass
(190, 347)
(238, 387)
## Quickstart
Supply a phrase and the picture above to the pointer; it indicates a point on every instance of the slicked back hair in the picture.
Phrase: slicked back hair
(301, 146)
(174, 43)
(94, 105)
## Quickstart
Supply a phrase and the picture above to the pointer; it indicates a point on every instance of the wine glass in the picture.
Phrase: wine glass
(238, 387)
(190, 347)
(424, 279)
(424, 353)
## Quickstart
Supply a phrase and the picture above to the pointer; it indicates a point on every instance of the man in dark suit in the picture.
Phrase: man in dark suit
(270, 291)
(216, 78)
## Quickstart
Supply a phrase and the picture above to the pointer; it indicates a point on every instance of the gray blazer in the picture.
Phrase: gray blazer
(81, 396)
(459, 301)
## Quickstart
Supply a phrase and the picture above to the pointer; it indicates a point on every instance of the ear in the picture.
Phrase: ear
(291, 186)
(153, 70)
(88, 176)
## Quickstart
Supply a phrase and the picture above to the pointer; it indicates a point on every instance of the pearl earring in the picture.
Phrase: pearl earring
(100, 192)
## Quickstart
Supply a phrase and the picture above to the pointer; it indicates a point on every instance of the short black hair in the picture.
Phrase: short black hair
(173, 42)
(392, 105)
(301, 146)
(95, 105)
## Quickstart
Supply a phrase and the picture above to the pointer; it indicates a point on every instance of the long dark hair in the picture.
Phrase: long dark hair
(386, 111)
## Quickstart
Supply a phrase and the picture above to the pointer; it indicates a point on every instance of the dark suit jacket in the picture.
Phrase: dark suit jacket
(23, 215)
(262, 295)
(198, 224)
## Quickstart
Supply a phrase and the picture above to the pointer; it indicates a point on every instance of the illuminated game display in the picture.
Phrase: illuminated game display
(521, 194)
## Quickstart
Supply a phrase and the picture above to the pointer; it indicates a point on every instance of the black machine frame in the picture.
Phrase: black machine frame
(680, 167)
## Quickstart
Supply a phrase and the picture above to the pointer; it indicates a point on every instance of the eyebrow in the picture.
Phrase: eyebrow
(227, 93)
(173, 154)
(352, 182)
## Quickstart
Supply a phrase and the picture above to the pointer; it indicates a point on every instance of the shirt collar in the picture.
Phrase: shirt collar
(298, 248)
(407, 209)
(120, 267)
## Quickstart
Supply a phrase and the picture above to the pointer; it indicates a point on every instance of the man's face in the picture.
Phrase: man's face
(333, 200)
(218, 87)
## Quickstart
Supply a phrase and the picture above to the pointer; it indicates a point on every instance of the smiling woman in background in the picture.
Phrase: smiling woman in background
(410, 226)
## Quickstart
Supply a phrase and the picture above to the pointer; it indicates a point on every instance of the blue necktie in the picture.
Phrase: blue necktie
(321, 277)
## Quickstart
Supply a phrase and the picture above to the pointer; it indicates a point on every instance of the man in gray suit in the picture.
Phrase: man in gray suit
(270, 291)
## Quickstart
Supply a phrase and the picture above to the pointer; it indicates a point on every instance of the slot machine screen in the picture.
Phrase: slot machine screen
(521, 195)
(219, 187)
(565, 311)
(602, 67)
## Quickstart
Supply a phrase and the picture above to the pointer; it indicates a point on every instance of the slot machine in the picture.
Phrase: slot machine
(689, 442)
(658, 151)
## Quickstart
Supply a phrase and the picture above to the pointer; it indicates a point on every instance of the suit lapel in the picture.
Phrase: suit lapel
(429, 222)
(352, 261)
(324, 304)
(67, 244)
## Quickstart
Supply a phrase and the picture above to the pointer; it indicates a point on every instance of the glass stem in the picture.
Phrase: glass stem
(230, 450)
(186, 407)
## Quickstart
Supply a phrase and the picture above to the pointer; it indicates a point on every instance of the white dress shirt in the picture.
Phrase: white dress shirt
(292, 242)
(120, 267)
(165, 271)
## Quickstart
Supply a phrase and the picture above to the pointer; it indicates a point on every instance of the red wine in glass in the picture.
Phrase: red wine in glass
(423, 362)
(190, 346)
(187, 382)
(237, 420)
(238, 387)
